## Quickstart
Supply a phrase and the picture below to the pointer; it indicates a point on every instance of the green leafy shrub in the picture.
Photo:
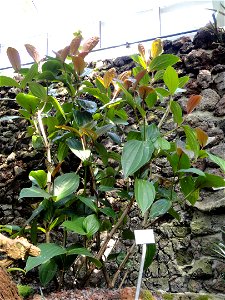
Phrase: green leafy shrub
(93, 115)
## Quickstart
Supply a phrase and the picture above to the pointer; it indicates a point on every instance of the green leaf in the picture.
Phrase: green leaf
(75, 225)
(144, 194)
(135, 154)
(97, 94)
(170, 78)
(38, 90)
(217, 160)
(89, 106)
(192, 170)
(191, 140)
(151, 132)
(39, 177)
(150, 253)
(138, 59)
(8, 81)
(34, 192)
(62, 151)
(151, 99)
(91, 225)
(159, 75)
(48, 251)
(187, 185)
(108, 211)
(163, 61)
(79, 251)
(160, 207)
(209, 180)
(52, 65)
(57, 105)
(182, 81)
(33, 71)
(76, 147)
(46, 75)
(174, 214)
(177, 112)
(163, 92)
(127, 234)
(90, 202)
(65, 185)
(28, 102)
(47, 271)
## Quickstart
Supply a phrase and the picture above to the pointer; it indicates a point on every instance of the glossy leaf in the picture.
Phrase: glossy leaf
(76, 147)
(14, 58)
(39, 177)
(182, 81)
(191, 140)
(217, 160)
(150, 254)
(135, 154)
(189, 189)
(34, 192)
(202, 137)
(28, 102)
(193, 102)
(62, 151)
(163, 92)
(97, 94)
(210, 180)
(48, 251)
(33, 71)
(170, 78)
(177, 112)
(47, 271)
(144, 194)
(75, 225)
(193, 171)
(163, 61)
(90, 202)
(139, 59)
(38, 90)
(8, 81)
(160, 207)
(65, 185)
(91, 225)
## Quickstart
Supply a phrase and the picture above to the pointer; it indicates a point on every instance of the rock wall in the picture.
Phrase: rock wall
(184, 260)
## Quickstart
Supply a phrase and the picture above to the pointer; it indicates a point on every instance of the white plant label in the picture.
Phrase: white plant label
(145, 236)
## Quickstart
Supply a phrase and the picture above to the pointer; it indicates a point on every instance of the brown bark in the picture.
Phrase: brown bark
(8, 289)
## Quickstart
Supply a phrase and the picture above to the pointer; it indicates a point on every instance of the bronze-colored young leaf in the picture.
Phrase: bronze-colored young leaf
(141, 50)
(63, 53)
(144, 91)
(108, 77)
(79, 64)
(138, 77)
(75, 44)
(125, 75)
(157, 48)
(201, 136)
(90, 44)
(14, 58)
(193, 101)
(32, 51)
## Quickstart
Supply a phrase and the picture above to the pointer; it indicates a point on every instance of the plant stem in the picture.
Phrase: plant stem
(165, 114)
(104, 245)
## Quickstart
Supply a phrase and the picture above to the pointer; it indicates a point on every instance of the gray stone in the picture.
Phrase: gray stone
(220, 108)
(203, 224)
(11, 157)
(204, 78)
(202, 268)
(211, 201)
(210, 98)
(219, 79)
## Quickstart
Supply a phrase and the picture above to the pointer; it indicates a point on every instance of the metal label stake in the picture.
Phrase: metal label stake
(142, 237)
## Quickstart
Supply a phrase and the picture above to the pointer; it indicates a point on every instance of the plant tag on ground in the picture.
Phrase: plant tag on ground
(145, 236)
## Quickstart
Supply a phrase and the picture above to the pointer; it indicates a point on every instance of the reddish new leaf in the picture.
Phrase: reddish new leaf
(14, 58)
(144, 91)
(75, 44)
(32, 51)
(138, 77)
(141, 50)
(63, 53)
(193, 101)
(90, 44)
(79, 64)
(201, 136)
